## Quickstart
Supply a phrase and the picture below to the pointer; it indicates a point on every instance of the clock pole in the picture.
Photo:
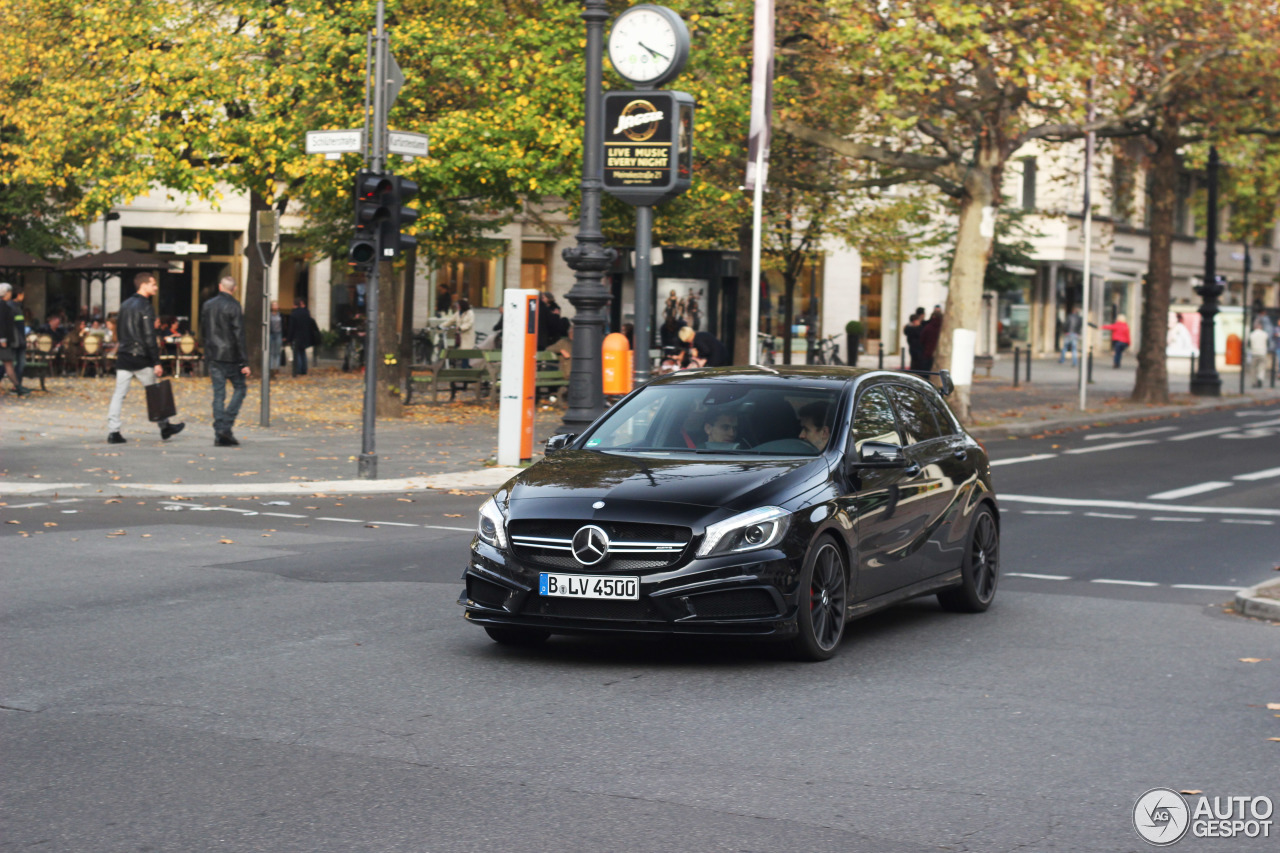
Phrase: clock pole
(590, 259)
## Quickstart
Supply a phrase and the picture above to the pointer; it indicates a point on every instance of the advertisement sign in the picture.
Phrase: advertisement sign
(648, 145)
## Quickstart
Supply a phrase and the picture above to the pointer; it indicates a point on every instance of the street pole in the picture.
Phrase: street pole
(1246, 354)
(367, 467)
(644, 293)
(1085, 344)
(1207, 382)
(590, 259)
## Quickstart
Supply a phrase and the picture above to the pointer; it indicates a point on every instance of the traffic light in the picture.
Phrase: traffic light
(394, 238)
(381, 217)
(372, 213)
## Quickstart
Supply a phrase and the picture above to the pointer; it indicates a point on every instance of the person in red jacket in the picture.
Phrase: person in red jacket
(1120, 339)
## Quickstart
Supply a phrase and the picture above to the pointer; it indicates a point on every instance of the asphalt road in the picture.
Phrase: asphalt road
(242, 675)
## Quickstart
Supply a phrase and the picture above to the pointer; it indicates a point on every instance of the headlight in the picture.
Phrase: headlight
(493, 525)
(746, 531)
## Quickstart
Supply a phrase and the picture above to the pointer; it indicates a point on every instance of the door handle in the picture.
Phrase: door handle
(912, 469)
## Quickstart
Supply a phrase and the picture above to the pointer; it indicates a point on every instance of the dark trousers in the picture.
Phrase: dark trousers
(1119, 347)
(299, 360)
(224, 414)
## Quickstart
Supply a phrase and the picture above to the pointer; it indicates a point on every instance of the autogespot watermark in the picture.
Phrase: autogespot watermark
(1163, 816)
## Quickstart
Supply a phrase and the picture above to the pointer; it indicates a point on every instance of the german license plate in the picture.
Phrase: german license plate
(588, 586)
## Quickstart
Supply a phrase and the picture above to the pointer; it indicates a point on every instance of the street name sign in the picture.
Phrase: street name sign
(407, 144)
(334, 142)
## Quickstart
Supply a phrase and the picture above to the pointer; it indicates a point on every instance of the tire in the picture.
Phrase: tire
(980, 572)
(511, 635)
(823, 602)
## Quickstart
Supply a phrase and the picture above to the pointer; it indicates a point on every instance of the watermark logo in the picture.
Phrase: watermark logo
(1161, 817)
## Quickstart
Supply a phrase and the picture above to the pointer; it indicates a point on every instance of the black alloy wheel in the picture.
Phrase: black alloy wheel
(981, 569)
(823, 602)
(513, 635)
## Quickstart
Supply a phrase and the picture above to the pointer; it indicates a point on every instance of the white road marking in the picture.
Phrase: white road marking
(1187, 436)
(394, 523)
(1035, 457)
(1037, 577)
(1179, 520)
(1255, 414)
(1258, 475)
(1246, 521)
(1188, 491)
(1046, 512)
(440, 527)
(348, 520)
(1204, 586)
(1116, 446)
(1108, 515)
(1101, 504)
(1092, 436)
(1124, 583)
(26, 506)
(284, 515)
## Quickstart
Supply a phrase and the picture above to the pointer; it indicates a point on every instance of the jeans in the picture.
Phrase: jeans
(1119, 347)
(299, 361)
(224, 416)
(277, 343)
(124, 378)
(1070, 344)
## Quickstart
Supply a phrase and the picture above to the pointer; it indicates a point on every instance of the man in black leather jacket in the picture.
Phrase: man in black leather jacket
(138, 355)
(222, 322)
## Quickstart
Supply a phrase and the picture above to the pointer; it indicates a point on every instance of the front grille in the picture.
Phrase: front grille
(587, 608)
(486, 592)
(632, 546)
(734, 604)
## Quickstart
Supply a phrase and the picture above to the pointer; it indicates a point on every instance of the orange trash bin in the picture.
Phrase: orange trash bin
(616, 356)
(1235, 349)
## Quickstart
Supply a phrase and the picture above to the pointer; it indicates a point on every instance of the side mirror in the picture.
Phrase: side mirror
(559, 442)
(880, 454)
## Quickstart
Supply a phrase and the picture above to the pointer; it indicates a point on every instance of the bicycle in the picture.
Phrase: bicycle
(352, 354)
(768, 348)
(828, 351)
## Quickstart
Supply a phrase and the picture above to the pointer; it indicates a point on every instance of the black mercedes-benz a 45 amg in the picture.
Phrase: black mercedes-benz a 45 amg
(754, 502)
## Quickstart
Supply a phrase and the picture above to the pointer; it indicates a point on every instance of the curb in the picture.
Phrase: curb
(1250, 603)
(1025, 428)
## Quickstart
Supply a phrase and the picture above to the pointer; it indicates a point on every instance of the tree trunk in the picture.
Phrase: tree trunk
(1151, 383)
(255, 283)
(974, 240)
(390, 403)
(788, 315)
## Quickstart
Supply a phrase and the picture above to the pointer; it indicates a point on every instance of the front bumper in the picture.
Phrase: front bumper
(725, 595)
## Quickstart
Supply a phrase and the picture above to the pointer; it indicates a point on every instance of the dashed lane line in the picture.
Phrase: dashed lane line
(1095, 436)
(1124, 583)
(1258, 475)
(1208, 586)
(394, 523)
(1109, 515)
(1116, 446)
(1138, 505)
(1246, 521)
(1179, 520)
(1035, 457)
(1037, 577)
(1120, 582)
(346, 520)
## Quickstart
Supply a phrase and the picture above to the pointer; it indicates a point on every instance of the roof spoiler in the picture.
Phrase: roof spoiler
(943, 375)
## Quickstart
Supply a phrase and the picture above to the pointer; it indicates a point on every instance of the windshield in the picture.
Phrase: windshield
(721, 419)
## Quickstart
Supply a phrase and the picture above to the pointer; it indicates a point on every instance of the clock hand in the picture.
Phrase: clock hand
(654, 52)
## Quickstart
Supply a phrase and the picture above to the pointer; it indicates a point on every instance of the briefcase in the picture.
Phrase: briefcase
(160, 404)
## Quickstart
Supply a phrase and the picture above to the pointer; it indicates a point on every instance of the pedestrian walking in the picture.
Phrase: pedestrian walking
(1071, 329)
(13, 338)
(137, 355)
(929, 334)
(1258, 359)
(915, 347)
(301, 335)
(222, 321)
(1119, 338)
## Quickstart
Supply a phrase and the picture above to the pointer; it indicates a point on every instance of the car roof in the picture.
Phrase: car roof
(835, 374)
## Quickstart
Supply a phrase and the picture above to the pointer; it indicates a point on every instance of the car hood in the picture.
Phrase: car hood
(578, 478)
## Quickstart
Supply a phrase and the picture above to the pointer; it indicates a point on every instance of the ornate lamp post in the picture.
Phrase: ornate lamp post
(590, 259)
(1207, 382)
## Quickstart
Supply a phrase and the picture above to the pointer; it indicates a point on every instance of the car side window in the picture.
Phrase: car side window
(917, 417)
(873, 420)
(946, 423)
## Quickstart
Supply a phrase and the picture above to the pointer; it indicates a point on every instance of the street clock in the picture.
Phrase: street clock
(649, 45)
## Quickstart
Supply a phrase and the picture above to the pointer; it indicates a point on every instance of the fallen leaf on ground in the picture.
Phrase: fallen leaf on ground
(51, 524)
(1273, 706)
(453, 515)
(1254, 660)
(1191, 791)
(244, 474)
(227, 541)
(13, 521)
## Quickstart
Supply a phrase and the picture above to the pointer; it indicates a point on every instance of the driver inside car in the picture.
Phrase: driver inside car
(722, 431)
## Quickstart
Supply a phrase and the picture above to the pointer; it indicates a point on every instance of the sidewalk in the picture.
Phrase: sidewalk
(56, 441)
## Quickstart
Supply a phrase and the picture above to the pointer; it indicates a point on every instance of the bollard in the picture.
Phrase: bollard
(1017, 365)
(902, 351)
(880, 363)
(1028, 365)
(1089, 371)
(1274, 357)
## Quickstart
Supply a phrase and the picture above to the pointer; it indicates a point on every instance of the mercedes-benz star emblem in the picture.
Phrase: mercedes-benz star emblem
(590, 545)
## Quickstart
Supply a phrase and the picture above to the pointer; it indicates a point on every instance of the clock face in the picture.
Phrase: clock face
(648, 44)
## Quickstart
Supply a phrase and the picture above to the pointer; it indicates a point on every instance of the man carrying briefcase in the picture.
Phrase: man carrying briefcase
(138, 356)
